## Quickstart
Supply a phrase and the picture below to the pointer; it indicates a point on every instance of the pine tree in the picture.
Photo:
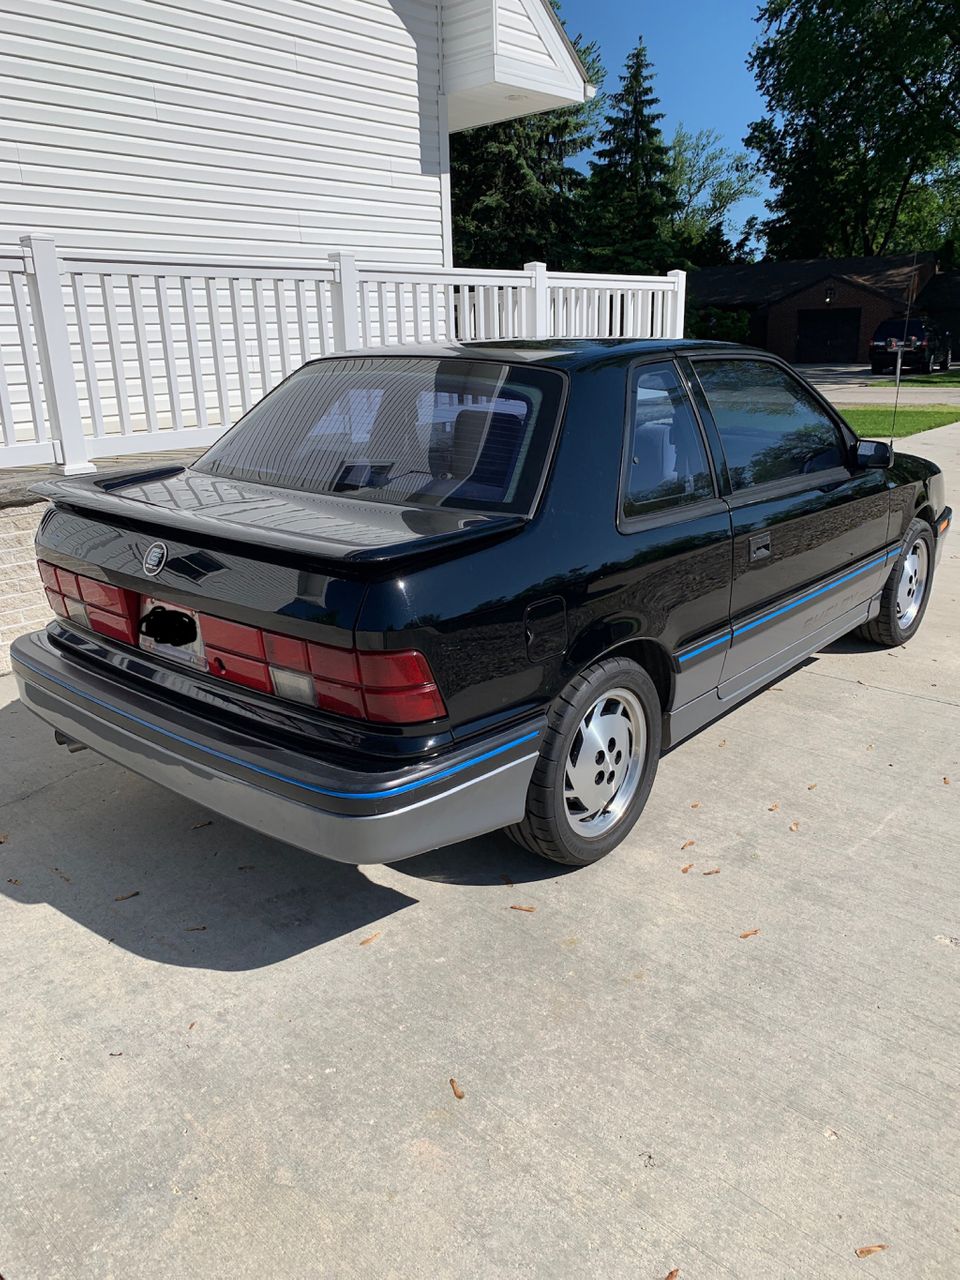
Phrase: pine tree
(513, 187)
(630, 199)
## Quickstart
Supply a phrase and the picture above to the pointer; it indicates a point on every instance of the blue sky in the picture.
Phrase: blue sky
(698, 49)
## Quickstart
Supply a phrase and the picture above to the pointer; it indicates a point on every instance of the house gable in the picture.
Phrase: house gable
(506, 58)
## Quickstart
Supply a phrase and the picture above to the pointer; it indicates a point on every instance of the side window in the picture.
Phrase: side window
(667, 463)
(770, 426)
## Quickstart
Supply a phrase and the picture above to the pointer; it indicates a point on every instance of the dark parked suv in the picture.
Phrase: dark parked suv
(925, 346)
(418, 595)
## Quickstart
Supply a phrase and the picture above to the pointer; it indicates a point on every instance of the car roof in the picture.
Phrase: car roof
(565, 353)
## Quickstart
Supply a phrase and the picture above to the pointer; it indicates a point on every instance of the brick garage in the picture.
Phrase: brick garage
(818, 310)
(792, 323)
(23, 606)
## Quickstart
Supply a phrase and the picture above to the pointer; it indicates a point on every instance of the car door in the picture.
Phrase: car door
(674, 575)
(809, 531)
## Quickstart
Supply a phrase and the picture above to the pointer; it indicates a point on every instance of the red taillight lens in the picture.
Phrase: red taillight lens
(394, 670)
(57, 603)
(232, 636)
(109, 610)
(404, 706)
(245, 671)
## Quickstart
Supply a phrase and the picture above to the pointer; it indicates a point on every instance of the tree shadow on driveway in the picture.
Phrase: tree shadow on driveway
(165, 879)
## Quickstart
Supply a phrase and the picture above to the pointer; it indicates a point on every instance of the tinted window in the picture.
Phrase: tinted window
(668, 463)
(770, 425)
(402, 430)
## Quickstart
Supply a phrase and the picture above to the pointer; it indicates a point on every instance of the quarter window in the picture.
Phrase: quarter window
(667, 463)
(770, 426)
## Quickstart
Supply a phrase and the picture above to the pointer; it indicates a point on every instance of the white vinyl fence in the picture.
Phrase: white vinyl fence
(103, 358)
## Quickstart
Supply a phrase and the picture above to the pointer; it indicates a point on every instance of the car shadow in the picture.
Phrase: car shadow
(489, 860)
(165, 879)
(849, 644)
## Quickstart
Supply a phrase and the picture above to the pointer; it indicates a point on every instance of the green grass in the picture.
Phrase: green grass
(951, 379)
(874, 420)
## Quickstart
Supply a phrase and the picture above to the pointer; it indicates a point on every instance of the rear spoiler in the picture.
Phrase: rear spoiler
(94, 494)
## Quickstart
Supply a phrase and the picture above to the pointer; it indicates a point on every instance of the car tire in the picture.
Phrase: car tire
(575, 816)
(906, 591)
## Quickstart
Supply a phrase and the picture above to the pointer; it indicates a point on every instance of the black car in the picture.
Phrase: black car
(414, 596)
(922, 345)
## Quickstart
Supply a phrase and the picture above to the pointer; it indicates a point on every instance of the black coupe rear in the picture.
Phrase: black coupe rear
(418, 595)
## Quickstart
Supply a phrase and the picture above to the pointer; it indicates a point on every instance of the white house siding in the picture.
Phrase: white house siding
(223, 129)
(518, 36)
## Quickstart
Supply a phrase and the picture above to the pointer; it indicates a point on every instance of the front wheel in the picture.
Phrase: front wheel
(906, 592)
(597, 763)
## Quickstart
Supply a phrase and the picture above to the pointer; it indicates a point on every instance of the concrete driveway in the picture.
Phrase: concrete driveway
(224, 1058)
(855, 384)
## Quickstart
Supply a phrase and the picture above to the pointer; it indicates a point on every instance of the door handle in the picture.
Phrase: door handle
(759, 547)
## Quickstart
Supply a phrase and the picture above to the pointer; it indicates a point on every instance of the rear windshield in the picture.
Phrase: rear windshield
(408, 431)
(894, 329)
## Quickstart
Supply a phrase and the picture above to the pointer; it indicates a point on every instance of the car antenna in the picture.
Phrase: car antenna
(906, 325)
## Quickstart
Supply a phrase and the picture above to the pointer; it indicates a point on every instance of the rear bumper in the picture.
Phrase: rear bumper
(339, 813)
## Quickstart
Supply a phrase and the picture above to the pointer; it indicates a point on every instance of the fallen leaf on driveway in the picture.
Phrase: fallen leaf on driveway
(458, 1092)
(14, 882)
(723, 742)
(751, 933)
(684, 870)
(946, 783)
(940, 937)
(63, 875)
(715, 871)
(695, 804)
(191, 1026)
(124, 896)
(673, 1275)
(794, 826)
(365, 942)
(515, 907)
(812, 786)
(116, 1055)
(869, 1249)
(687, 844)
(869, 746)
(831, 1134)
(4, 837)
(773, 808)
(197, 825)
(195, 928)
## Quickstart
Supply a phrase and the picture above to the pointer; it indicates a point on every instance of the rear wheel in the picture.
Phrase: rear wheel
(907, 590)
(596, 767)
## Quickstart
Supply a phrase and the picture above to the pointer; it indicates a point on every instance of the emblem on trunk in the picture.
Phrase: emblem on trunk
(154, 558)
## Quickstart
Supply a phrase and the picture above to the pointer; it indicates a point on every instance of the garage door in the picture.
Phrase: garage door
(826, 336)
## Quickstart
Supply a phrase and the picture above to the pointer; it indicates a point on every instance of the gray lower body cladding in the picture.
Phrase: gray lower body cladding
(341, 814)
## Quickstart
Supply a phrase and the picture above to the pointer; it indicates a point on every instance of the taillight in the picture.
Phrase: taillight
(97, 605)
(387, 686)
(390, 687)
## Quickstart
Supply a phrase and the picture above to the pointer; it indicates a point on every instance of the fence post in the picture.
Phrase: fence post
(56, 362)
(679, 303)
(345, 298)
(541, 300)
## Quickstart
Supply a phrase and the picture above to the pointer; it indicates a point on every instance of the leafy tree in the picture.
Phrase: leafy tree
(513, 188)
(863, 108)
(707, 180)
(630, 200)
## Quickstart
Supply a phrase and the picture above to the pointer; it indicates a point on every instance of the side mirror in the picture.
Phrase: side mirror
(874, 453)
